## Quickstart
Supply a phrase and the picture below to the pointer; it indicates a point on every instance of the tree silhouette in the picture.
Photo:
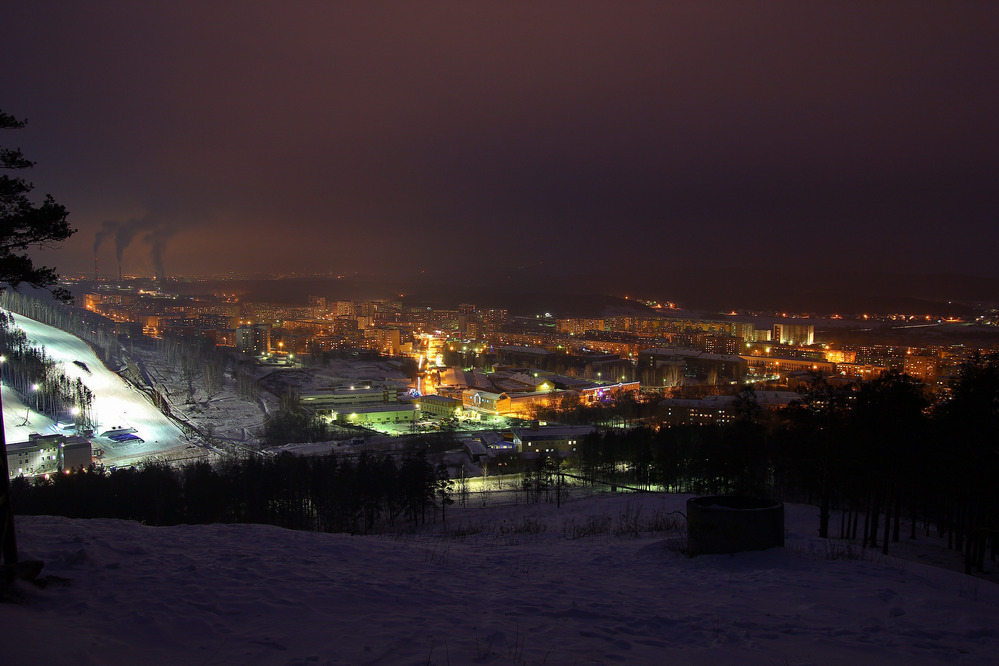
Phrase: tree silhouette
(969, 426)
(24, 226)
(819, 454)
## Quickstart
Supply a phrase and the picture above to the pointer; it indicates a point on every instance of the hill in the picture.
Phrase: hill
(599, 580)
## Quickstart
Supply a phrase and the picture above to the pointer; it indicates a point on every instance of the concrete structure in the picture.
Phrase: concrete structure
(784, 365)
(254, 339)
(386, 340)
(697, 364)
(718, 409)
(484, 401)
(375, 415)
(579, 326)
(732, 524)
(48, 454)
(794, 334)
(439, 407)
(860, 370)
(338, 398)
(924, 368)
(519, 405)
(550, 439)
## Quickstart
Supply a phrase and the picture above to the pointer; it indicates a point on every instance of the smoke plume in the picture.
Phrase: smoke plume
(155, 231)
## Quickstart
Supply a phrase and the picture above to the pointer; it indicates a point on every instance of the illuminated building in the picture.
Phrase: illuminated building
(343, 308)
(340, 398)
(493, 318)
(485, 401)
(747, 331)
(722, 344)
(697, 364)
(550, 439)
(578, 326)
(469, 326)
(48, 454)
(888, 356)
(366, 309)
(794, 334)
(600, 392)
(923, 368)
(346, 325)
(719, 409)
(439, 407)
(840, 356)
(374, 415)
(254, 339)
(784, 365)
(385, 340)
(505, 404)
(859, 370)
(678, 411)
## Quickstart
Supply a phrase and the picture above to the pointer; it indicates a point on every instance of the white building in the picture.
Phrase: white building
(48, 454)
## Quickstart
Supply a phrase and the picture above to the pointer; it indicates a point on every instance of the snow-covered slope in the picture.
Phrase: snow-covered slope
(502, 585)
(116, 404)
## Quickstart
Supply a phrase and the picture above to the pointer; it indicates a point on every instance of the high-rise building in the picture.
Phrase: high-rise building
(794, 334)
(254, 339)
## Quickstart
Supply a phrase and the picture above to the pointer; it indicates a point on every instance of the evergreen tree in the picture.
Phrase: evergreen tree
(24, 225)
(444, 489)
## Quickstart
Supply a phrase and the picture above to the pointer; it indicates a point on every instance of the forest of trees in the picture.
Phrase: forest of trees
(325, 493)
(98, 331)
(877, 452)
(36, 378)
(291, 422)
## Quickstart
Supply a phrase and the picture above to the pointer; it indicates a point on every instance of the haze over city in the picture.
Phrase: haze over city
(576, 145)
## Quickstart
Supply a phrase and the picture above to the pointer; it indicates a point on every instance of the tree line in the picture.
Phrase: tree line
(879, 452)
(329, 493)
(97, 330)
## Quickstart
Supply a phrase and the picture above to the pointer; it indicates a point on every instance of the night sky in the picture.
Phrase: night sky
(558, 137)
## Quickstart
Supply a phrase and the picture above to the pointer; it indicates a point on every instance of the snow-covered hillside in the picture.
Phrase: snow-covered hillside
(530, 584)
(217, 422)
(116, 403)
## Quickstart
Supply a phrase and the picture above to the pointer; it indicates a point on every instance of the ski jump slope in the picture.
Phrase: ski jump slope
(116, 403)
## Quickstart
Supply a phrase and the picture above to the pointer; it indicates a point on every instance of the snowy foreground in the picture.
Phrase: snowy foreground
(507, 584)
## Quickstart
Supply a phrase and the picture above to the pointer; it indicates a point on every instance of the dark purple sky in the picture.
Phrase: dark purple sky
(624, 137)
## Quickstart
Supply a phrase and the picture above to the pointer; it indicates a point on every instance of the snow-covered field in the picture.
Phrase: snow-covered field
(116, 403)
(504, 585)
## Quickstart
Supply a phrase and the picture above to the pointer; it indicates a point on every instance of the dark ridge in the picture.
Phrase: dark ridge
(533, 289)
